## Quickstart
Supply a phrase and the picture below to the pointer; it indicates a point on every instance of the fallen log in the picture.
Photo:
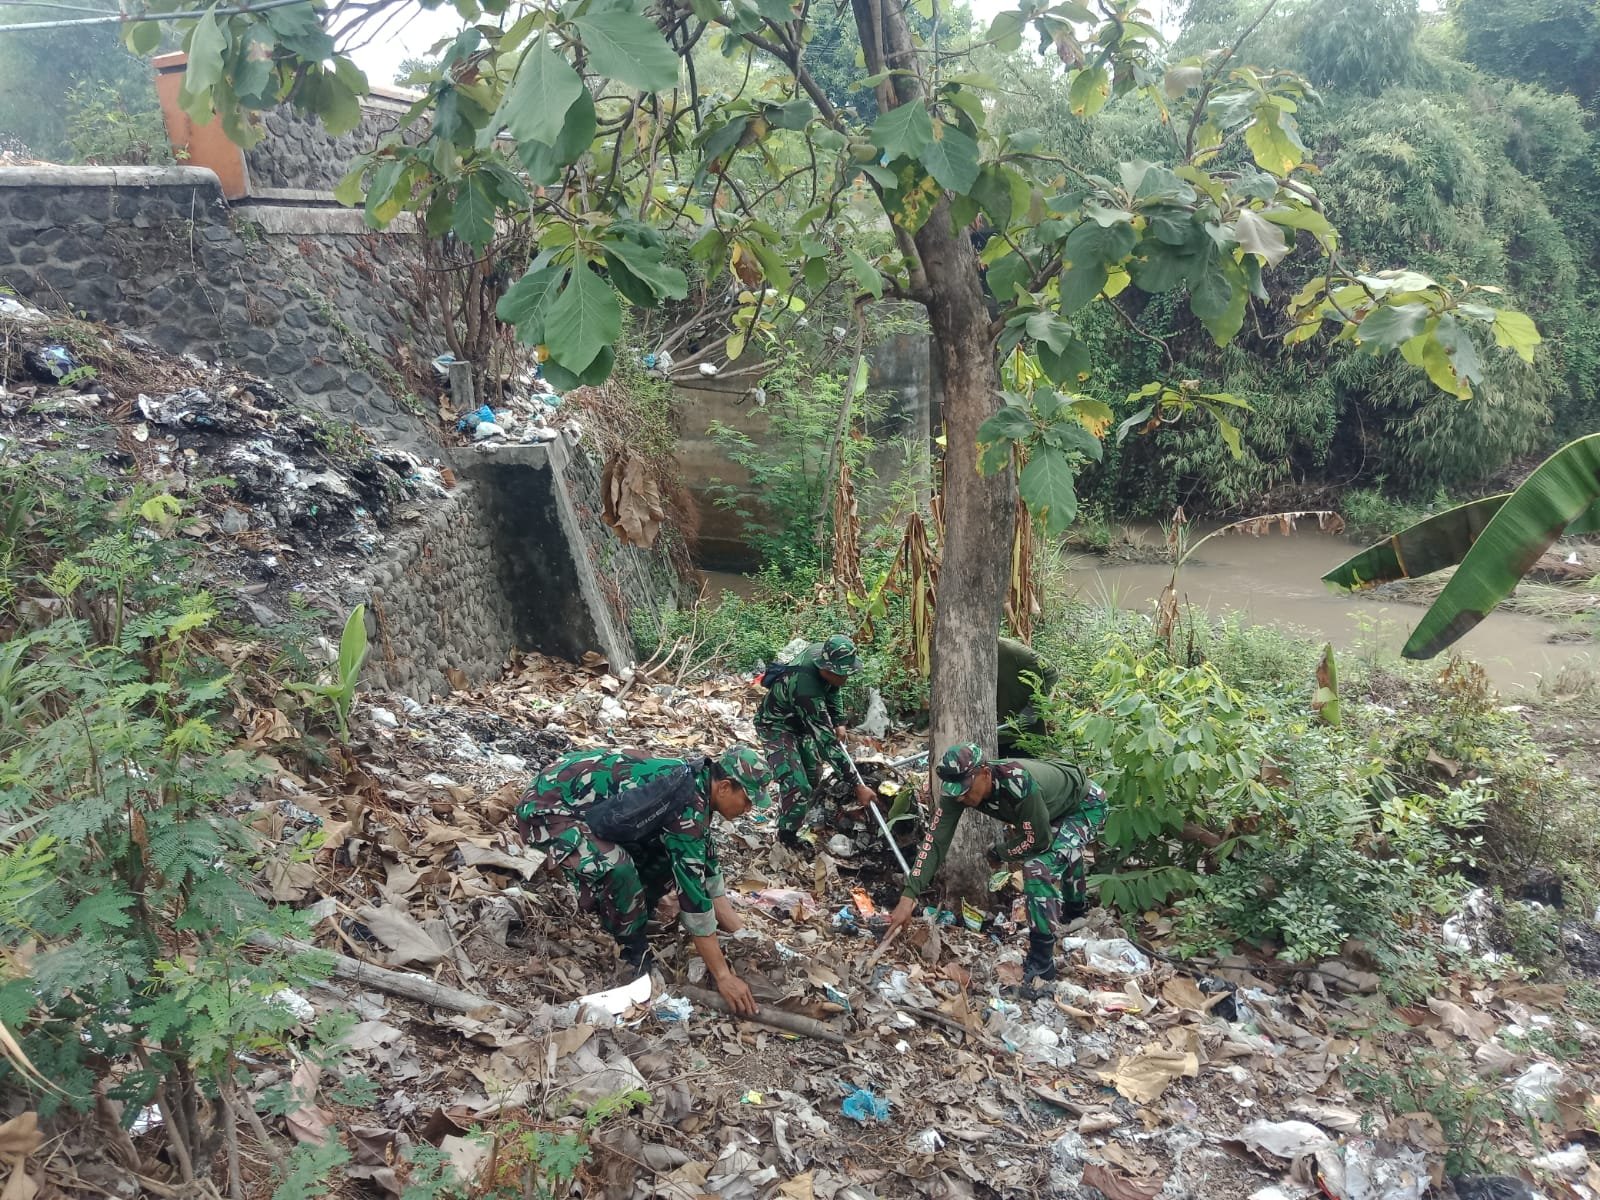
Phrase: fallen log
(395, 983)
(774, 1018)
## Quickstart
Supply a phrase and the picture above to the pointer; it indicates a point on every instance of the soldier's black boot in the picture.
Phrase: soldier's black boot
(636, 954)
(1072, 910)
(1040, 965)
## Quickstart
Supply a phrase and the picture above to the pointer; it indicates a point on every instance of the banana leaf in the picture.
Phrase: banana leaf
(1430, 545)
(1562, 496)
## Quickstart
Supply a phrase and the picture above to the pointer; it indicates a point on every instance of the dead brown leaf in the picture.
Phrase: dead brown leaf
(1477, 1027)
(632, 502)
(1121, 1187)
(399, 930)
(20, 1136)
(1144, 1075)
(308, 1124)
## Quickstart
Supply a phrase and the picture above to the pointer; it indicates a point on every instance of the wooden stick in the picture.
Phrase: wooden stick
(872, 959)
(977, 1035)
(775, 1018)
(395, 983)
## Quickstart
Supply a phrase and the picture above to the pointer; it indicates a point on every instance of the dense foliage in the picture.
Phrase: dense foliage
(1489, 173)
(77, 95)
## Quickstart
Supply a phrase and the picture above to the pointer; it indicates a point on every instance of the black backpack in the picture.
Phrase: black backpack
(639, 813)
(775, 671)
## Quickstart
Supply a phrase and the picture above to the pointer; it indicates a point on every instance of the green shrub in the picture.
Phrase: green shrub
(123, 873)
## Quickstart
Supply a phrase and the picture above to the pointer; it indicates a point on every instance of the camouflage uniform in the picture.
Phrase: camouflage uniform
(1015, 707)
(1054, 811)
(796, 721)
(623, 883)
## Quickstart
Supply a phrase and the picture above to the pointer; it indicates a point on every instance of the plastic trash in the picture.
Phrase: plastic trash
(845, 921)
(475, 418)
(618, 1000)
(789, 904)
(876, 723)
(1533, 1091)
(298, 1006)
(1116, 956)
(1573, 1161)
(56, 360)
(751, 1097)
(385, 718)
(925, 1141)
(484, 430)
(19, 312)
(674, 1008)
(1288, 1140)
(1492, 1187)
(841, 846)
(1393, 1173)
(971, 917)
(861, 1105)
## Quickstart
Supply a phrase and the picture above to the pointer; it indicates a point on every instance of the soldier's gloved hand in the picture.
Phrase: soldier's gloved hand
(995, 856)
(737, 995)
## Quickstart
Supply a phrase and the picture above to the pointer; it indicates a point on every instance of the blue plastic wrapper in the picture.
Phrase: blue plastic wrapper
(861, 1105)
(473, 419)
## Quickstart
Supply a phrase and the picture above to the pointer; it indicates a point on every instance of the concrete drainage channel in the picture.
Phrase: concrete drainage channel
(502, 565)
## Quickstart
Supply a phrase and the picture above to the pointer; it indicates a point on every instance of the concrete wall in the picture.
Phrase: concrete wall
(303, 296)
(502, 564)
(900, 366)
(632, 580)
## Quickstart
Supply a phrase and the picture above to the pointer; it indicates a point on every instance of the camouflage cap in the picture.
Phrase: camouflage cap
(959, 764)
(745, 767)
(838, 654)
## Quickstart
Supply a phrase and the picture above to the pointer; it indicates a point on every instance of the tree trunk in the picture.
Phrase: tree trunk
(974, 556)
(975, 552)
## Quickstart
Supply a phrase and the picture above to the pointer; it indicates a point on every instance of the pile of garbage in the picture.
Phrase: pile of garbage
(282, 500)
(876, 1069)
(526, 412)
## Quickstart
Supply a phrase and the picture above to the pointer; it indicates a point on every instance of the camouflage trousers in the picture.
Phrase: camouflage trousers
(618, 884)
(1057, 874)
(796, 764)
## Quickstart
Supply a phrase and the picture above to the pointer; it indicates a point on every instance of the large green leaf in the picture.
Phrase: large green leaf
(546, 164)
(1430, 545)
(524, 304)
(474, 215)
(207, 46)
(629, 48)
(585, 318)
(1047, 486)
(1563, 495)
(903, 132)
(645, 263)
(545, 88)
(1258, 236)
(951, 158)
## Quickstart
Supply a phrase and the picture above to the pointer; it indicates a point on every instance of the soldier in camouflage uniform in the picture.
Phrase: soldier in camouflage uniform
(1054, 809)
(801, 723)
(657, 815)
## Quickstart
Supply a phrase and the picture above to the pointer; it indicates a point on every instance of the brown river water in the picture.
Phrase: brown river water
(1277, 580)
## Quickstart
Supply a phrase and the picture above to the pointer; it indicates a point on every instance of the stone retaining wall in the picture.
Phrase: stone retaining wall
(436, 602)
(298, 151)
(305, 297)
